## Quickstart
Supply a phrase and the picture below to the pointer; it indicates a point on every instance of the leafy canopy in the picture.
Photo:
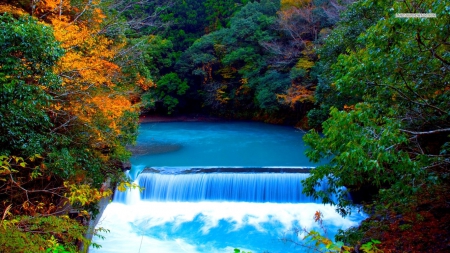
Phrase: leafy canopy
(394, 135)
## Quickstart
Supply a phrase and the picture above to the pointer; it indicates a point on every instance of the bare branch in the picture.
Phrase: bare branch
(426, 132)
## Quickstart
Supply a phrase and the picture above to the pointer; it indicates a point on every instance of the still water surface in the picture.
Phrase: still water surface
(220, 144)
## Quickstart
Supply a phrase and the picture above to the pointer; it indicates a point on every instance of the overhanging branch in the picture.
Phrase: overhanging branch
(427, 132)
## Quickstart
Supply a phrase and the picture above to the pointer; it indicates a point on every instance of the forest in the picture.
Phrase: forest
(371, 88)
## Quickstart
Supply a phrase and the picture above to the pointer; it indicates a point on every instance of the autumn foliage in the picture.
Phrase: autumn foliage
(68, 111)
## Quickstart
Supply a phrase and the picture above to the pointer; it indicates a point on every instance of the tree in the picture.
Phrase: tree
(169, 88)
(235, 65)
(306, 24)
(94, 105)
(342, 40)
(219, 12)
(394, 136)
(229, 62)
(66, 115)
(27, 78)
(388, 131)
(27, 87)
(134, 18)
(187, 23)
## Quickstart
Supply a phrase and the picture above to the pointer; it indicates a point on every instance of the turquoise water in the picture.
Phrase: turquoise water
(236, 187)
(213, 187)
(208, 144)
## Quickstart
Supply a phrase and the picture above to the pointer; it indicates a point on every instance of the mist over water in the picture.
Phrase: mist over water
(185, 210)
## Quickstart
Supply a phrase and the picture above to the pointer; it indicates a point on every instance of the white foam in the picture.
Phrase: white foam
(131, 224)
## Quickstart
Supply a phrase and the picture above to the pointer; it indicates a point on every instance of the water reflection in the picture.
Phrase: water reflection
(153, 148)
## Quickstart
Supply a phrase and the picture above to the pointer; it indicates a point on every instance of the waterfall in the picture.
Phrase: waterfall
(130, 196)
(239, 187)
(213, 187)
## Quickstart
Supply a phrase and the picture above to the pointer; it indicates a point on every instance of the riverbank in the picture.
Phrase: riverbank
(145, 118)
(102, 204)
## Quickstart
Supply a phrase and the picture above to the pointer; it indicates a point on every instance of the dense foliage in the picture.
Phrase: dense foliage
(386, 86)
(74, 75)
(66, 115)
(249, 60)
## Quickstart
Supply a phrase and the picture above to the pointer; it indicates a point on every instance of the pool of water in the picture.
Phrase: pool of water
(215, 186)
(206, 144)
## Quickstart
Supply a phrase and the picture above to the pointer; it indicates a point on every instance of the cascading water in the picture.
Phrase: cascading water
(215, 209)
(130, 196)
(239, 187)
